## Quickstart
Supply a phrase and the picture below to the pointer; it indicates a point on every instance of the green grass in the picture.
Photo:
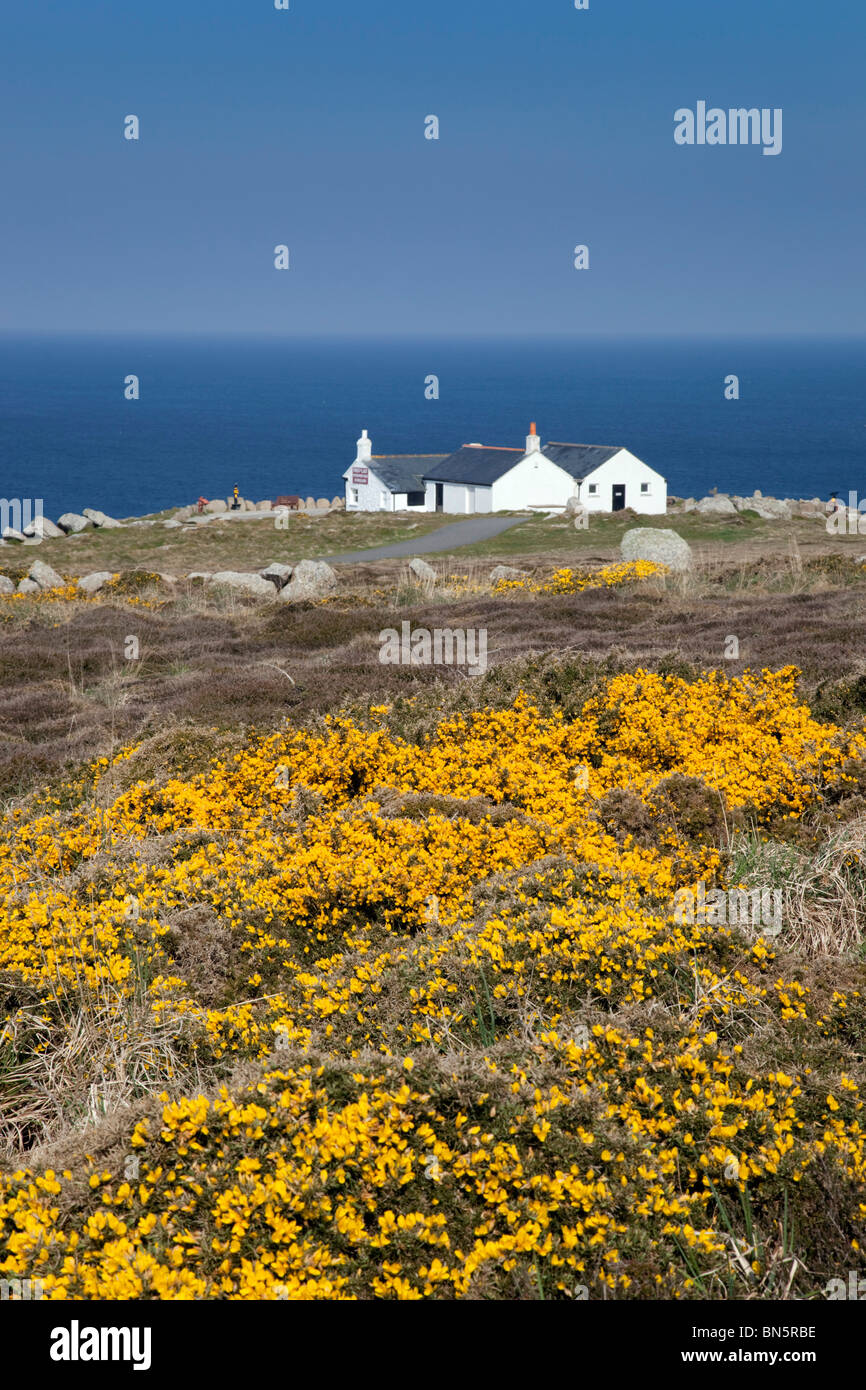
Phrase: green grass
(556, 536)
(765, 863)
(544, 534)
(221, 544)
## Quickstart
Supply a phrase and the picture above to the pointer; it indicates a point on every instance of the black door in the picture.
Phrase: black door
(439, 495)
(618, 497)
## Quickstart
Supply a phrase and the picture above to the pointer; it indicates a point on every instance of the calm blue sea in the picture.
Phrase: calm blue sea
(278, 416)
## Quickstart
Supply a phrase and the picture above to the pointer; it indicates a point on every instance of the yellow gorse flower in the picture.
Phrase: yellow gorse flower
(392, 906)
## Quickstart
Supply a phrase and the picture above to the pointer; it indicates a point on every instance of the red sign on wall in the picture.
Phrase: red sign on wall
(360, 475)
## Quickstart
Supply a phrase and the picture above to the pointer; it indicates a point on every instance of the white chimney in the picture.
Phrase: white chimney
(533, 443)
(365, 448)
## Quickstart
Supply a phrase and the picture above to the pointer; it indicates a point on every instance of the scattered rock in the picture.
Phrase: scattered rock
(310, 579)
(44, 575)
(505, 572)
(172, 525)
(199, 574)
(720, 505)
(770, 509)
(10, 534)
(6, 585)
(265, 506)
(323, 502)
(310, 504)
(106, 523)
(423, 571)
(662, 546)
(689, 504)
(92, 583)
(28, 586)
(574, 507)
(279, 575)
(249, 583)
(43, 528)
(73, 522)
(338, 503)
(217, 505)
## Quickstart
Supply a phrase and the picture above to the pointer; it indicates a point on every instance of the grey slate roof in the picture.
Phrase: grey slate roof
(480, 466)
(403, 472)
(475, 466)
(580, 459)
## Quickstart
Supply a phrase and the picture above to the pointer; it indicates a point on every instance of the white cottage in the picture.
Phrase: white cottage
(388, 482)
(492, 478)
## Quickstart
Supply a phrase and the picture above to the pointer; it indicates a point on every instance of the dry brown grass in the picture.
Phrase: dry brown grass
(102, 1052)
(823, 890)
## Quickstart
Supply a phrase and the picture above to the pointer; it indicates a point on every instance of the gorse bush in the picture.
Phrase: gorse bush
(377, 1010)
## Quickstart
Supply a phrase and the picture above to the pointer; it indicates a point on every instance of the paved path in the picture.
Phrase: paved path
(443, 539)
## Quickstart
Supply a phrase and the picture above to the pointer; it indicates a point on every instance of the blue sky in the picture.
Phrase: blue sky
(306, 127)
